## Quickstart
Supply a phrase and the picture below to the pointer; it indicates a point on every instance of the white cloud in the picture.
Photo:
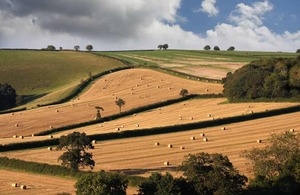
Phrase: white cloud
(209, 7)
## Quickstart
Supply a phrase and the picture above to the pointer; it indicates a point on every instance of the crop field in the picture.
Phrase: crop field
(38, 74)
(208, 64)
(140, 155)
(35, 184)
(127, 84)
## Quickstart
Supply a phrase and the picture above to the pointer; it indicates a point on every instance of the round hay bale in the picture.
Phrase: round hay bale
(170, 146)
(202, 134)
(23, 187)
(134, 114)
(158, 87)
(100, 125)
(206, 90)
(49, 148)
(50, 136)
(15, 136)
(14, 185)
(122, 126)
(167, 163)
(193, 138)
(157, 143)
(258, 141)
(209, 115)
(117, 129)
(182, 147)
(137, 125)
(16, 125)
(94, 142)
(57, 110)
(223, 128)
(32, 135)
(205, 139)
(51, 127)
(21, 137)
(292, 130)
(191, 118)
(12, 114)
(180, 118)
(170, 88)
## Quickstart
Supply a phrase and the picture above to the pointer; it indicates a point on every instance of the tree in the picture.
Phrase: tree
(231, 48)
(298, 51)
(212, 174)
(120, 102)
(89, 47)
(160, 47)
(50, 48)
(76, 47)
(216, 48)
(98, 115)
(183, 92)
(165, 184)
(76, 156)
(165, 46)
(8, 96)
(276, 167)
(207, 47)
(101, 183)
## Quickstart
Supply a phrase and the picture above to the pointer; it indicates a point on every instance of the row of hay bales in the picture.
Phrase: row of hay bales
(23, 187)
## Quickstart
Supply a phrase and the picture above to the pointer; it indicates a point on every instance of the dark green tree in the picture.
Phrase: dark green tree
(277, 166)
(8, 96)
(231, 48)
(183, 92)
(212, 174)
(160, 47)
(298, 51)
(101, 183)
(207, 47)
(50, 48)
(98, 115)
(120, 102)
(76, 47)
(158, 184)
(216, 48)
(165, 46)
(76, 155)
(89, 47)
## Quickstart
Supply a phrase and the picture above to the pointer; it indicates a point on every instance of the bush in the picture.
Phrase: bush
(8, 96)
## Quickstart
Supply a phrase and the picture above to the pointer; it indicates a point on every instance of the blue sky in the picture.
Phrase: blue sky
(266, 25)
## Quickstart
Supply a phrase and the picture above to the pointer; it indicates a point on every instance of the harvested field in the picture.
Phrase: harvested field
(36, 184)
(140, 155)
(137, 87)
(179, 113)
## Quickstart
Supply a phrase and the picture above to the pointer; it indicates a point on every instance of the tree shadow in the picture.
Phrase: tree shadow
(142, 171)
(29, 98)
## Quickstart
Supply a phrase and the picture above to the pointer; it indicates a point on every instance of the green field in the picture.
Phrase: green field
(50, 75)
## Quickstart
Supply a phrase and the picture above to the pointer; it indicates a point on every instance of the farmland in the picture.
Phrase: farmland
(139, 86)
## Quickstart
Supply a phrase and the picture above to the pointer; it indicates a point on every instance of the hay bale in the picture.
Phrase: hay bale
(170, 146)
(15, 136)
(292, 130)
(205, 139)
(51, 127)
(206, 90)
(32, 135)
(50, 136)
(170, 88)
(16, 125)
(94, 142)
(21, 137)
(202, 134)
(209, 115)
(100, 125)
(192, 118)
(23, 187)
(134, 114)
(182, 147)
(223, 128)
(167, 163)
(136, 85)
(157, 143)
(117, 129)
(158, 87)
(14, 185)
(57, 110)
(137, 125)
(180, 118)
(258, 141)
(49, 148)
(12, 114)
(193, 138)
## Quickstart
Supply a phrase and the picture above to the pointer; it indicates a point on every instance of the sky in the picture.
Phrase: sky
(257, 25)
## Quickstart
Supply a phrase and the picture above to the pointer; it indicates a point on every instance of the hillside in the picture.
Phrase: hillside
(51, 75)
(208, 64)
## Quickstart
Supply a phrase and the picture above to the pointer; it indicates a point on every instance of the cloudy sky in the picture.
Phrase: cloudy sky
(269, 25)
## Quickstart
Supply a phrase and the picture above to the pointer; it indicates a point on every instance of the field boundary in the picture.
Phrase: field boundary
(157, 130)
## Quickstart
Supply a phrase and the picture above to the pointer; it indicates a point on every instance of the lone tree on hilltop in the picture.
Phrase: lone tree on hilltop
(8, 96)
(183, 92)
(98, 115)
(212, 174)
(50, 48)
(76, 47)
(76, 156)
(207, 47)
(231, 48)
(216, 48)
(165, 46)
(160, 47)
(89, 47)
(120, 102)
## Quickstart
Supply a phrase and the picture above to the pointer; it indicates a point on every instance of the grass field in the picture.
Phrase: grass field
(50, 74)
(209, 64)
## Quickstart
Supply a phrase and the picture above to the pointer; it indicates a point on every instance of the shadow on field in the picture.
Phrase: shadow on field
(142, 171)
(24, 99)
